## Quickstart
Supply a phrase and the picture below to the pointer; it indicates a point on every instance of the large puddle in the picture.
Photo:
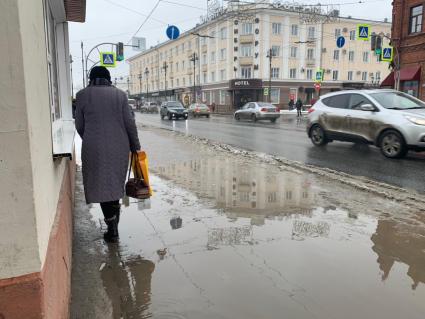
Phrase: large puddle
(223, 238)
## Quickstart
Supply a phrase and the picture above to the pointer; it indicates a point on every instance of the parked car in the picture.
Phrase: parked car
(198, 110)
(173, 110)
(132, 103)
(144, 108)
(258, 111)
(389, 119)
(152, 107)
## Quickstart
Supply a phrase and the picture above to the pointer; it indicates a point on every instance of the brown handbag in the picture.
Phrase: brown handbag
(136, 187)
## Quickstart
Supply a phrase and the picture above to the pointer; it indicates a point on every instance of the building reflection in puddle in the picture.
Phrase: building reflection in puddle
(404, 242)
(127, 282)
(245, 190)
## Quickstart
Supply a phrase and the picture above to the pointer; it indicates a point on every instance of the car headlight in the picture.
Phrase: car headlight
(416, 120)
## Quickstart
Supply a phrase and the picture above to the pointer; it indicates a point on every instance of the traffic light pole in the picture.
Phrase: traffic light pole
(165, 67)
(194, 59)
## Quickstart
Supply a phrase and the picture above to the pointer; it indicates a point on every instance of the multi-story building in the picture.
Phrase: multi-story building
(226, 59)
(408, 39)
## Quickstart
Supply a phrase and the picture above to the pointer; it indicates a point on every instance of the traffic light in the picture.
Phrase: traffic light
(120, 51)
(378, 46)
(373, 38)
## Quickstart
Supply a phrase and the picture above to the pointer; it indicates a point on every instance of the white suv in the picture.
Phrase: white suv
(391, 120)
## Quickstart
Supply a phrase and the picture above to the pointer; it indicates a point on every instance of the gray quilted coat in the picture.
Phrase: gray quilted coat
(107, 127)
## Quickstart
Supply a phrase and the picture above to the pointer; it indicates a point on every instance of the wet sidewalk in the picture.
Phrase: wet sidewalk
(229, 237)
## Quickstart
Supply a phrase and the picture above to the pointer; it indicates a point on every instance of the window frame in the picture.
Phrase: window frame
(415, 19)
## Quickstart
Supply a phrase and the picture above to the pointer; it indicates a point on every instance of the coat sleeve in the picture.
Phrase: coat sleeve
(79, 115)
(130, 126)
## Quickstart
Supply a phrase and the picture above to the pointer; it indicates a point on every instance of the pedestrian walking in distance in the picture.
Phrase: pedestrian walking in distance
(299, 106)
(106, 124)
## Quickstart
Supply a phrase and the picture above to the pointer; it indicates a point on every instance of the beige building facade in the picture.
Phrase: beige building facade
(232, 64)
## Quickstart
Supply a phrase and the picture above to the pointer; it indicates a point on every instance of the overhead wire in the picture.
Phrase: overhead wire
(146, 19)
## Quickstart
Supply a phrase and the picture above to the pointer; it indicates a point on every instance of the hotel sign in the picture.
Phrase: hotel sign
(245, 84)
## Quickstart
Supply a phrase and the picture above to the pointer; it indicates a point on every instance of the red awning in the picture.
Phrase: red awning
(408, 73)
(389, 80)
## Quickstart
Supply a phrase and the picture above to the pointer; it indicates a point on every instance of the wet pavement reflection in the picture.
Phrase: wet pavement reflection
(223, 238)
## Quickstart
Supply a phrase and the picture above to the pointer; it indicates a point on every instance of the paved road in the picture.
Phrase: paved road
(288, 139)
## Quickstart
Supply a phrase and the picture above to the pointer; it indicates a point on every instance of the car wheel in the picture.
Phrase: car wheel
(254, 118)
(392, 144)
(273, 120)
(318, 136)
(170, 117)
(186, 117)
(237, 117)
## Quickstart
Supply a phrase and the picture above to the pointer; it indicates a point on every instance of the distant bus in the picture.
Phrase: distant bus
(132, 103)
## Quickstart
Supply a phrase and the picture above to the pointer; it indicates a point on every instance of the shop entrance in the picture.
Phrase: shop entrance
(241, 97)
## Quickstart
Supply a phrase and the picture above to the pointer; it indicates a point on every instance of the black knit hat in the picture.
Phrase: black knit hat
(100, 72)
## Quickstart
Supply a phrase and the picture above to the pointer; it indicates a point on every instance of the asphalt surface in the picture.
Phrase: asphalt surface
(287, 138)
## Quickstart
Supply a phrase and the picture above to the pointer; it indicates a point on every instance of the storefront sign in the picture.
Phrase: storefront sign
(245, 84)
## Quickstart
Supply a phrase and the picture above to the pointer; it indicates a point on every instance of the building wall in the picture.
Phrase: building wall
(298, 68)
(410, 46)
(36, 191)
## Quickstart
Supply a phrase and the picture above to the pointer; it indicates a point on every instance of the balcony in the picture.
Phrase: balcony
(248, 38)
(246, 60)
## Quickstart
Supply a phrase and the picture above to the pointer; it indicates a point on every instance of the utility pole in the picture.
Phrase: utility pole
(82, 63)
(165, 67)
(140, 83)
(128, 86)
(147, 82)
(72, 78)
(194, 58)
(270, 57)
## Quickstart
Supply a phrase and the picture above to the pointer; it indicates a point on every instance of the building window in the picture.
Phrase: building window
(292, 73)
(177, 66)
(276, 28)
(311, 32)
(223, 54)
(52, 67)
(223, 33)
(177, 50)
(351, 56)
(212, 76)
(335, 75)
(337, 33)
(364, 76)
(416, 19)
(275, 95)
(246, 50)
(178, 82)
(352, 34)
(222, 75)
(275, 73)
(294, 52)
(378, 76)
(310, 54)
(309, 74)
(204, 59)
(212, 97)
(205, 77)
(246, 28)
(246, 72)
(184, 82)
(212, 36)
(222, 97)
(294, 30)
(365, 56)
(183, 47)
(350, 76)
(213, 57)
(275, 50)
(183, 65)
(336, 55)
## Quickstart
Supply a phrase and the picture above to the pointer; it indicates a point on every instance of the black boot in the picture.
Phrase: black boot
(117, 212)
(111, 235)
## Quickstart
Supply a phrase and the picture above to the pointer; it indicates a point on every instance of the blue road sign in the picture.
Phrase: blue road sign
(363, 32)
(340, 42)
(387, 54)
(173, 32)
(108, 59)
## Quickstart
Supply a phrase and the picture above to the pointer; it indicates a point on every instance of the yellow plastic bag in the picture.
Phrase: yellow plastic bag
(141, 167)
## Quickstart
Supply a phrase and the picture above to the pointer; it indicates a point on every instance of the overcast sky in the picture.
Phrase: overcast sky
(118, 20)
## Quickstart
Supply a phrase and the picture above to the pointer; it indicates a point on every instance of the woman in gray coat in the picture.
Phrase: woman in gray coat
(107, 127)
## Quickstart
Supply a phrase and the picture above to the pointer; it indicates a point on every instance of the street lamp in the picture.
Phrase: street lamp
(140, 83)
(194, 58)
(165, 67)
(270, 57)
(147, 82)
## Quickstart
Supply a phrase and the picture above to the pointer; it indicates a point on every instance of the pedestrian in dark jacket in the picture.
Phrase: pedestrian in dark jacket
(291, 104)
(299, 106)
(107, 127)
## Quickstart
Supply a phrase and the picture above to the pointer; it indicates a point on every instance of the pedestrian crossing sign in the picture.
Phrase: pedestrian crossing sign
(387, 54)
(319, 75)
(363, 32)
(108, 59)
